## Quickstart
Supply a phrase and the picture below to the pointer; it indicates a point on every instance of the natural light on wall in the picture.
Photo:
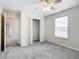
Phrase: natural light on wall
(61, 27)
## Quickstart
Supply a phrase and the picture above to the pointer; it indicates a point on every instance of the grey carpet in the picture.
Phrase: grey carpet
(39, 51)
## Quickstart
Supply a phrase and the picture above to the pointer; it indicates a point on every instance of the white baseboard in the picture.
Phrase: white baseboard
(65, 46)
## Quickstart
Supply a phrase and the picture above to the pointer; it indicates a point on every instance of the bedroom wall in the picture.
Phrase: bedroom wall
(27, 28)
(73, 30)
(24, 29)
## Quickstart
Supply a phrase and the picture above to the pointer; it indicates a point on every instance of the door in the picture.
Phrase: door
(36, 29)
(2, 33)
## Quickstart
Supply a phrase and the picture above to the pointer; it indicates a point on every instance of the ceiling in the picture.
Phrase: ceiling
(34, 6)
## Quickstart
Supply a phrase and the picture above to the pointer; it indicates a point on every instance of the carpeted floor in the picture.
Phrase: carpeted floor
(43, 50)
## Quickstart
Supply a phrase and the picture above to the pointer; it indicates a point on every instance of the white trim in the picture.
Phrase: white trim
(75, 49)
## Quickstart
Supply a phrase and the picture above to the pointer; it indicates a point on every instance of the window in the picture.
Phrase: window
(61, 27)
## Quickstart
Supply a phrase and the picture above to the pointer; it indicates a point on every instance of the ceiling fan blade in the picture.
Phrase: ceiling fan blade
(56, 1)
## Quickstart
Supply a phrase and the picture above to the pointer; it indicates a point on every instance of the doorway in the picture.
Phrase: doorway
(36, 30)
(10, 29)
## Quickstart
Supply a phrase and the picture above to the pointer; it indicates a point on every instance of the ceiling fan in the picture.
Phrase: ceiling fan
(48, 4)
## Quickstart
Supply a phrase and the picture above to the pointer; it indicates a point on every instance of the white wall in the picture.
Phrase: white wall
(42, 29)
(24, 26)
(27, 28)
(73, 30)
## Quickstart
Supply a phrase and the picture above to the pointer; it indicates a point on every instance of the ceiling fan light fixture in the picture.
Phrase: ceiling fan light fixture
(48, 4)
(46, 9)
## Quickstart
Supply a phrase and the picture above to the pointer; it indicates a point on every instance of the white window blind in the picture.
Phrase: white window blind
(61, 27)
